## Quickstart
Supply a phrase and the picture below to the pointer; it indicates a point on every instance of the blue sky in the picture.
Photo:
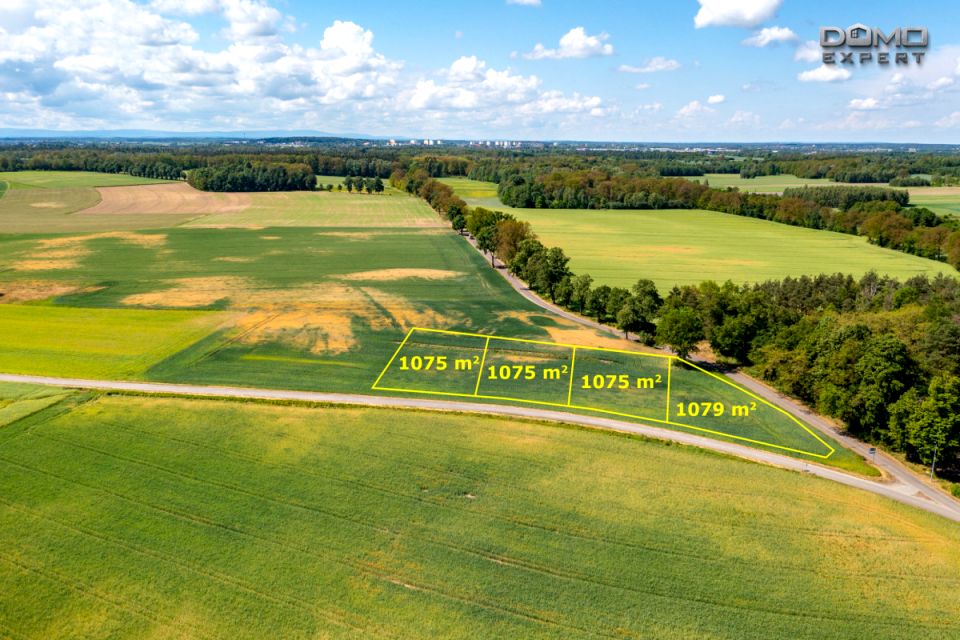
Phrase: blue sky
(697, 70)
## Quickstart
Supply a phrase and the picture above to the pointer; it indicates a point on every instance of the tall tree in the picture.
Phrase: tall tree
(681, 329)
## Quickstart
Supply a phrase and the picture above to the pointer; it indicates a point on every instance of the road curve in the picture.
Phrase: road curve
(896, 491)
(897, 473)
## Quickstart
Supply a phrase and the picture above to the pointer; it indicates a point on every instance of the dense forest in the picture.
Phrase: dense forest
(253, 176)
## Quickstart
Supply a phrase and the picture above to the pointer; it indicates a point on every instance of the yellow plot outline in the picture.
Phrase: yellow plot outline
(670, 360)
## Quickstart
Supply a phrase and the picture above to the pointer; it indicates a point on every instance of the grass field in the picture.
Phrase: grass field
(761, 184)
(674, 247)
(944, 201)
(133, 517)
(71, 179)
(94, 343)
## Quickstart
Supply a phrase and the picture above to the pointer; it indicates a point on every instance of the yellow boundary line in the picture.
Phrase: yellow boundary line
(483, 360)
(568, 404)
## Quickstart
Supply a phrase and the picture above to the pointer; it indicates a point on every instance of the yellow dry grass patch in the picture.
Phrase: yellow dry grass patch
(400, 274)
(47, 205)
(571, 333)
(32, 290)
(66, 252)
(349, 235)
(189, 292)
(237, 259)
(177, 198)
(317, 318)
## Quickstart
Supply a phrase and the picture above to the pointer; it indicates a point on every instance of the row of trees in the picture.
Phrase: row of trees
(370, 185)
(253, 176)
(880, 355)
(880, 214)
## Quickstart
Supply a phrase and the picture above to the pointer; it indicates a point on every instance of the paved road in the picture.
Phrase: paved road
(898, 475)
(894, 490)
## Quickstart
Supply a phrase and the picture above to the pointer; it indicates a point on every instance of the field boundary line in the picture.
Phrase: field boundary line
(573, 367)
(483, 360)
(568, 404)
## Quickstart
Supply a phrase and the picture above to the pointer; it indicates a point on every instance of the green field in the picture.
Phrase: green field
(761, 184)
(71, 179)
(135, 517)
(677, 247)
(94, 343)
(942, 201)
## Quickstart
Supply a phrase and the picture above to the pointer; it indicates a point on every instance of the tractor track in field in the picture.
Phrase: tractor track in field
(909, 491)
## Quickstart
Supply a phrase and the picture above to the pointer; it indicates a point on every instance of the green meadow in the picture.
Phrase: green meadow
(71, 180)
(760, 184)
(940, 200)
(687, 246)
(132, 517)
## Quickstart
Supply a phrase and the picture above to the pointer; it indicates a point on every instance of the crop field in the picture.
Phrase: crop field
(644, 387)
(71, 179)
(687, 246)
(944, 201)
(309, 209)
(134, 517)
(94, 343)
(761, 184)
(676, 247)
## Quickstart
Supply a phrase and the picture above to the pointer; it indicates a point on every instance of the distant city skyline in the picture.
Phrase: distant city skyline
(690, 71)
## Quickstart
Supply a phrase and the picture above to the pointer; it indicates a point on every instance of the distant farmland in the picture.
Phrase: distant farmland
(686, 246)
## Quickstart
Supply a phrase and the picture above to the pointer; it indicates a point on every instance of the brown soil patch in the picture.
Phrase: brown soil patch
(570, 333)
(400, 274)
(65, 253)
(177, 198)
(32, 290)
(934, 191)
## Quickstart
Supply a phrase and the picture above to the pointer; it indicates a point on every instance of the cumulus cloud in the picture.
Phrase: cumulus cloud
(716, 99)
(575, 43)
(824, 73)
(743, 119)
(735, 13)
(470, 85)
(525, 3)
(653, 65)
(643, 86)
(770, 35)
(864, 104)
(950, 121)
(940, 83)
(808, 51)
(693, 108)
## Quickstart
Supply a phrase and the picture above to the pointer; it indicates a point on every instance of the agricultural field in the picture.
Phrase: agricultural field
(71, 180)
(134, 517)
(761, 184)
(944, 201)
(687, 246)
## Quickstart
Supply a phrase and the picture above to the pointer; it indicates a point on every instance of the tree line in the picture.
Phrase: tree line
(253, 176)
(882, 356)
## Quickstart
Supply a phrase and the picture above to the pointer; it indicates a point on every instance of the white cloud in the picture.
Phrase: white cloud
(716, 99)
(940, 83)
(744, 119)
(735, 13)
(693, 108)
(824, 73)
(658, 63)
(956, 71)
(770, 35)
(808, 51)
(864, 104)
(950, 121)
(575, 43)
(643, 86)
(525, 3)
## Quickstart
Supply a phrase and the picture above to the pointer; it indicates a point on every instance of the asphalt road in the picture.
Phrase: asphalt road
(895, 489)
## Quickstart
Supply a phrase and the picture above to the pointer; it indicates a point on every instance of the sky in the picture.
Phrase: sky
(668, 71)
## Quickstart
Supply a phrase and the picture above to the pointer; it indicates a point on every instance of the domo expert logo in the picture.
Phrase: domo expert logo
(859, 43)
